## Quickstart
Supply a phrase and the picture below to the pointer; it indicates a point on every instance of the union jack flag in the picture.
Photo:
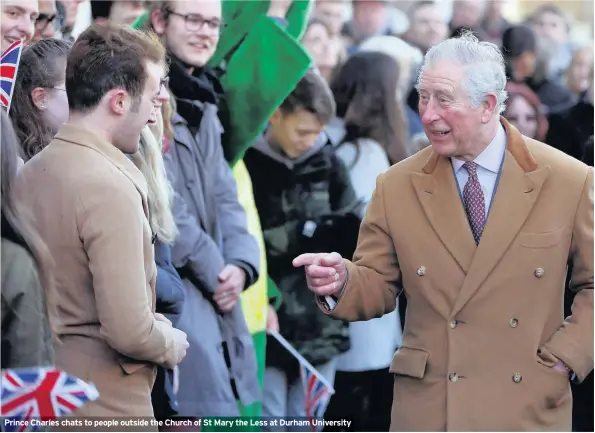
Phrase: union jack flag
(317, 394)
(40, 393)
(9, 64)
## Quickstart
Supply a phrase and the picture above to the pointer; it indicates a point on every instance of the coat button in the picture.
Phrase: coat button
(539, 272)
(514, 323)
(516, 378)
(421, 271)
(453, 324)
(453, 377)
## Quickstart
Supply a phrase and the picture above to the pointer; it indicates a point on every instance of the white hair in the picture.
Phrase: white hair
(485, 72)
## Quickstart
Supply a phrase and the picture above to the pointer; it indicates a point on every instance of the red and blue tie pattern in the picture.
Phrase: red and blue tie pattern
(474, 201)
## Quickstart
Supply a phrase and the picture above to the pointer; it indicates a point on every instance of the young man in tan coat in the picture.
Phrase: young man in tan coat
(477, 230)
(89, 202)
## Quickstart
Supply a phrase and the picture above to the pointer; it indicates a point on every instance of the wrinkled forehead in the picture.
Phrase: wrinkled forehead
(441, 75)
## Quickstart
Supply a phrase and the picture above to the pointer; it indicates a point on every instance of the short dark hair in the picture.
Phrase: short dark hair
(101, 8)
(105, 57)
(517, 40)
(312, 94)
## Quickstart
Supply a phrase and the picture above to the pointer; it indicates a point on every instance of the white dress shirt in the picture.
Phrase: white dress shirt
(488, 165)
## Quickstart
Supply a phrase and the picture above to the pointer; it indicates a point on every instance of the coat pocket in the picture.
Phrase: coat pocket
(131, 366)
(410, 362)
(540, 240)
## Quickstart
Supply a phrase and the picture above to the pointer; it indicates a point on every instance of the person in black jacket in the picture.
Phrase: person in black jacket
(570, 129)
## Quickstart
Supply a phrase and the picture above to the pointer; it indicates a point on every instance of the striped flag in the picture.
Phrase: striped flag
(317, 391)
(44, 393)
(9, 65)
(317, 394)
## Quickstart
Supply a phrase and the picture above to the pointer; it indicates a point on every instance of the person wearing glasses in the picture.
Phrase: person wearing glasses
(48, 23)
(215, 254)
(39, 103)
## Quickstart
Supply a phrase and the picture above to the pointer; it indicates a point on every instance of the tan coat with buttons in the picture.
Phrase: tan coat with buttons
(484, 323)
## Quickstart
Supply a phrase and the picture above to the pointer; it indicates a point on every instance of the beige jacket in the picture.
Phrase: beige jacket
(89, 204)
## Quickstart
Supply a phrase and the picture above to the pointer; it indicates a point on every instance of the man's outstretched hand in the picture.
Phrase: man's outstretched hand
(325, 273)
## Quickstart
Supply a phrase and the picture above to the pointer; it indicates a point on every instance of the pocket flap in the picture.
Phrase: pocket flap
(410, 362)
(131, 366)
(540, 240)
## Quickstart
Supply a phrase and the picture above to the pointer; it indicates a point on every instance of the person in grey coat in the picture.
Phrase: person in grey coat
(214, 254)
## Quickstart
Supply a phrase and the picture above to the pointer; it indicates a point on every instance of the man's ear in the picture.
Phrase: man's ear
(276, 117)
(489, 107)
(158, 22)
(118, 101)
(39, 98)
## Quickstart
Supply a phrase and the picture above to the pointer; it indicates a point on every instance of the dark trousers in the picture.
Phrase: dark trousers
(582, 394)
(364, 398)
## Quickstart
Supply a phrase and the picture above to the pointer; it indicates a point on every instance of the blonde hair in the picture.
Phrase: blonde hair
(149, 160)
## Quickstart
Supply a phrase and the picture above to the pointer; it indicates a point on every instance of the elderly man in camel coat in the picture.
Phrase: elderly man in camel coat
(477, 230)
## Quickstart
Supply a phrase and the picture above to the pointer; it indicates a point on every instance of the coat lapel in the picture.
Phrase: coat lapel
(520, 184)
(82, 137)
(438, 194)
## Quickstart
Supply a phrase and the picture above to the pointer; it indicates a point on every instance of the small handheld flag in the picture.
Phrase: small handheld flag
(317, 391)
(9, 65)
(43, 393)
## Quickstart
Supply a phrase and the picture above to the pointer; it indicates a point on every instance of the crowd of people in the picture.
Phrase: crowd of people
(149, 234)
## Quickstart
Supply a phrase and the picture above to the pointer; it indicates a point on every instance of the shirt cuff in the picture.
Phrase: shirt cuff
(333, 300)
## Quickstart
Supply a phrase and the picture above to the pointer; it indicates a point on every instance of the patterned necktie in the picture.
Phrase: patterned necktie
(474, 201)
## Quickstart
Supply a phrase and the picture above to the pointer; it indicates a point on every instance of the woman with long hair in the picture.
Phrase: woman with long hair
(169, 288)
(39, 103)
(367, 134)
(365, 91)
(26, 273)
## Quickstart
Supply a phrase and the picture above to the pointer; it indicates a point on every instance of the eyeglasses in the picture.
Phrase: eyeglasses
(43, 20)
(196, 22)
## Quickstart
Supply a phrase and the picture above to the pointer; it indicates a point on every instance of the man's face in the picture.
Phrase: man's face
(428, 27)
(369, 17)
(295, 132)
(552, 27)
(331, 13)
(466, 13)
(47, 23)
(192, 30)
(126, 11)
(137, 113)
(449, 120)
(18, 21)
